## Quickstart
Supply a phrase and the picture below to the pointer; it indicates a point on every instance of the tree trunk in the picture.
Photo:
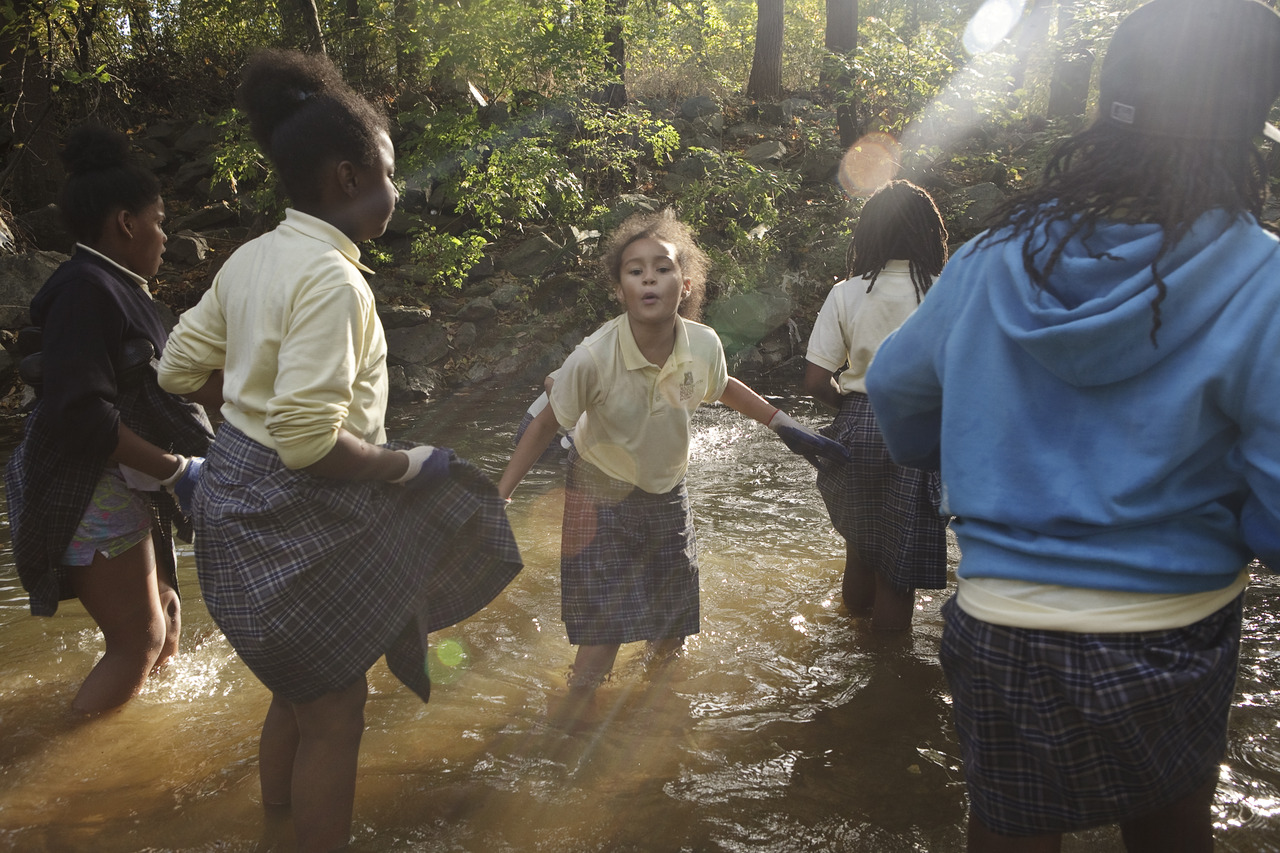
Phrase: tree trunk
(615, 62)
(408, 43)
(766, 62)
(33, 171)
(841, 38)
(301, 24)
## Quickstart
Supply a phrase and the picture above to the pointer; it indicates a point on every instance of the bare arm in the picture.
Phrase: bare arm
(742, 399)
(539, 433)
(820, 384)
(209, 394)
(352, 458)
(141, 455)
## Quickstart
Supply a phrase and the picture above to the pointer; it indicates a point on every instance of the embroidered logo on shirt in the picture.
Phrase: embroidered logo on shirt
(686, 389)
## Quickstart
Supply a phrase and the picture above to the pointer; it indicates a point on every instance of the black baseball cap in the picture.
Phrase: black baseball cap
(1194, 69)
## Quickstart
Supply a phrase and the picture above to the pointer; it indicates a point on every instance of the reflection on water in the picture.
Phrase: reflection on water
(785, 726)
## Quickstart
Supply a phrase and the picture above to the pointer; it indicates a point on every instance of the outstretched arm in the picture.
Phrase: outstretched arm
(541, 430)
(818, 449)
(742, 399)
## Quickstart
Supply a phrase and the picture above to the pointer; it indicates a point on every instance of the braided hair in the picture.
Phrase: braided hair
(304, 116)
(899, 222)
(103, 176)
(1110, 174)
(665, 227)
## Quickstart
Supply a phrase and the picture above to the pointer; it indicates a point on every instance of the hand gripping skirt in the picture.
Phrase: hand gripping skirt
(628, 560)
(312, 580)
(1062, 731)
(889, 514)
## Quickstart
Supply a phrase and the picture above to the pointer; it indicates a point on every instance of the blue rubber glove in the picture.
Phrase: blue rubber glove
(182, 484)
(818, 449)
(427, 465)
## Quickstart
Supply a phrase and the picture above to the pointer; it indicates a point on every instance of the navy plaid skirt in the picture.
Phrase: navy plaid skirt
(1062, 731)
(889, 514)
(628, 560)
(312, 579)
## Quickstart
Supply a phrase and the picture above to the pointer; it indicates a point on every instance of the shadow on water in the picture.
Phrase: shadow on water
(785, 725)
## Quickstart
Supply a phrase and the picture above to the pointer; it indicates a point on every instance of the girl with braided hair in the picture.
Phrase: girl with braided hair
(1097, 376)
(895, 540)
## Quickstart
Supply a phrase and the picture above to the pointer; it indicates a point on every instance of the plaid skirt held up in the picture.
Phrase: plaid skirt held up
(312, 579)
(889, 514)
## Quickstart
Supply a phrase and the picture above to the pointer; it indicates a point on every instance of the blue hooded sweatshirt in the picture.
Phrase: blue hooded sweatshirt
(1074, 451)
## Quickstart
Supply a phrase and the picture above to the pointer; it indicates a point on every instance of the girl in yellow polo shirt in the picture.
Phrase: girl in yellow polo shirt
(629, 568)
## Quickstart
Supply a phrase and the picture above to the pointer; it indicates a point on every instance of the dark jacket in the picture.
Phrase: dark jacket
(88, 309)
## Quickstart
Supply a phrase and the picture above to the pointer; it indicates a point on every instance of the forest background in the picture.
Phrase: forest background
(764, 122)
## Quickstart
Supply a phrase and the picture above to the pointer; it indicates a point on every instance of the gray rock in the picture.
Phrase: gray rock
(698, 105)
(417, 345)
(20, 277)
(402, 317)
(198, 137)
(478, 310)
(191, 172)
(213, 216)
(748, 131)
(186, 247)
(46, 230)
(411, 383)
(464, 338)
(533, 257)
(507, 295)
(779, 114)
(765, 152)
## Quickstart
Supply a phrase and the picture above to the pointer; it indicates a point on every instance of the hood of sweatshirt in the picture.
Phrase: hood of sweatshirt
(1093, 324)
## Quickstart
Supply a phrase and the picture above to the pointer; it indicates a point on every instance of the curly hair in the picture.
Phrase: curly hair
(304, 115)
(899, 222)
(103, 176)
(667, 228)
(1110, 174)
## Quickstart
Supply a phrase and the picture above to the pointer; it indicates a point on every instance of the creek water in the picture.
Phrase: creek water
(786, 725)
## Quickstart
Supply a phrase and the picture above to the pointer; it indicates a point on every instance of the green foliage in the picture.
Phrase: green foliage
(239, 165)
(735, 207)
(444, 259)
(610, 145)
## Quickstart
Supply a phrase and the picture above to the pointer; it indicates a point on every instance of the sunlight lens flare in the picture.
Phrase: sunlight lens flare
(989, 26)
(871, 163)
(447, 660)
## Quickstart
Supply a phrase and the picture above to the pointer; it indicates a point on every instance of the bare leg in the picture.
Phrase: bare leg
(122, 597)
(324, 768)
(983, 840)
(893, 609)
(591, 666)
(1185, 826)
(858, 588)
(277, 749)
(171, 607)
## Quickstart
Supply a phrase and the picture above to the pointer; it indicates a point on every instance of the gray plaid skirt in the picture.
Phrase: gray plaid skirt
(1062, 731)
(312, 579)
(628, 560)
(889, 514)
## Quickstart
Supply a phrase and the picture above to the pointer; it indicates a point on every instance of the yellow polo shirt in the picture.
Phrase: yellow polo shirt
(290, 321)
(638, 414)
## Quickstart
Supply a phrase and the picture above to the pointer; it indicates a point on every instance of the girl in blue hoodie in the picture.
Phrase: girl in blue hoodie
(1097, 376)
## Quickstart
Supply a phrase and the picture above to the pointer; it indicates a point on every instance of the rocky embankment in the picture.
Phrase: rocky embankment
(521, 310)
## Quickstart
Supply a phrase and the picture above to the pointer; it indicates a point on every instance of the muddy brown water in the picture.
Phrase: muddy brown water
(785, 727)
